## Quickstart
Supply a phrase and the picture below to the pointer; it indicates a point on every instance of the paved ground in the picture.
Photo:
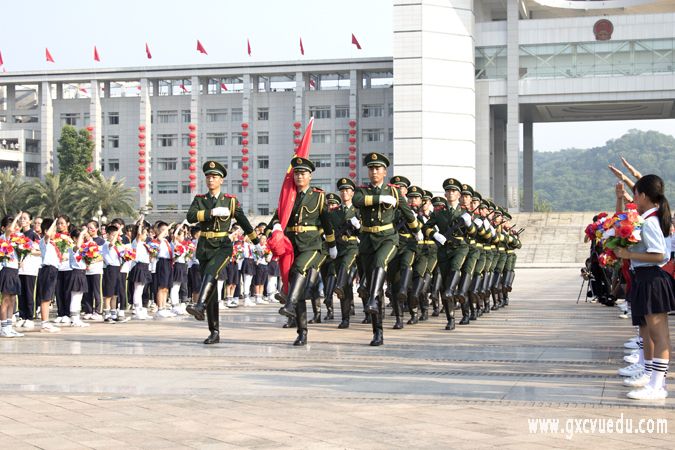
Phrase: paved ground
(154, 385)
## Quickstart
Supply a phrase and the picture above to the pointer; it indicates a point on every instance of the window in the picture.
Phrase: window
(342, 112)
(185, 140)
(342, 160)
(341, 136)
(321, 161)
(263, 186)
(237, 115)
(391, 134)
(216, 115)
(33, 170)
(70, 119)
(216, 138)
(391, 109)
(263, 162)
(321, 137)
(186, 116)
(236, 163)
(263, 210)
(263, 114)
(167, 116)
(319, 112)
(372, 111)
(167, 164)
(263, 138)
(113, 165)
(113, 141)
(167, 187)
(236, 187)
(237, 138)
(32, 146)
(102, 141)
(166, 140)
(185, 187)
(373, 135)
(113, 118)
(185, 163)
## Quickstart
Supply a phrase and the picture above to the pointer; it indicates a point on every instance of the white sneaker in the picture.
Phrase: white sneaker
(632, 358)
(260, 301)
(271, 299)
(4, 332)
(96, 317)
(164, 314)
(233, 303)
(648, 393)
(248, 302)
(141, 314)
(65, 320)
(15, 333)
(49, 328)
(179, 309)
(638, 380)
(634, 339)
(624, 315)
(77, 323)
(222, 304)
(152, 307)
(631, 370)
(58, 320)
(87, 317)
(28, 325)
(20, 323)
(631, 345)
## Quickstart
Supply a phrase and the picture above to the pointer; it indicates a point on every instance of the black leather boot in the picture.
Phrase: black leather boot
(345, 306)
(301, 319)
(362, 290)
(290, 322)
(449, 306)
(462, 291)
(296, 288)
(375, 293)
(396, 311)
(414, 300)
(378, 333)
(328, 290)
(510, 275)
(213, 321)
(341, 282)
(316, 310)
(451, 283)
(366, 319)
(404, 284)
(466, 313)
(208, 286)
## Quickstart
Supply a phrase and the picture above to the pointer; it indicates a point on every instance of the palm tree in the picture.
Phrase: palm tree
(12, 190)
(108, 195)
(51, 197)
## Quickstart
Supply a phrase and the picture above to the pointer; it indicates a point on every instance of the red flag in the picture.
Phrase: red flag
(182, 86)
(147, 51)
(1, 61)
(96, 58)
(48, 55)
(223, 86)
(83, 90)
(248, 44)
(356, 42)
(278, 242)
(200, 48)
(302, 48)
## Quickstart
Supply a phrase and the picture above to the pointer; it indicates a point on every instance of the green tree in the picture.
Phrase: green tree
(12, 192)
(52, 197)
(96, 192)
(75, 152)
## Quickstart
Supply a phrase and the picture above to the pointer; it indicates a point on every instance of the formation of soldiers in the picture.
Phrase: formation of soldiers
(442, 254)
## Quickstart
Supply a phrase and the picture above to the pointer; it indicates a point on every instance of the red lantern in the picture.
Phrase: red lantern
(141, 153)
(352, 166)
(352, 157)
(297, 147)
(352, 140)
(297, 124)
(244, 183)
(192, 135)
(244, 125)
(141, 144)
(297, 141)
(296, 133)
(352, 174)
(141, 128)
(141, 177)
(244, 150)
(141, 136)
(90, 128)
(141, 185)
(192, 127)
(192, 152)
(352, 148)
(244, 168)
(141, 160)
(244, 133)
(244, 142)
(244, 158)
(192, 176)
(244, 175)
(90, 169)
(193, 160)
(193, 167)
(192, 144)
(193, 185)
(352, 123)
(352, 131)
(141, 168)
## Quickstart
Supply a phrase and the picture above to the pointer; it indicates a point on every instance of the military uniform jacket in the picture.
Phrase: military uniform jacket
(380, 218)
(345, 233)
(446, 221)
(214, 235)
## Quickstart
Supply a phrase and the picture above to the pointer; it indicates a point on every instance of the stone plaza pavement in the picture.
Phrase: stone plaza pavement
(154, 385)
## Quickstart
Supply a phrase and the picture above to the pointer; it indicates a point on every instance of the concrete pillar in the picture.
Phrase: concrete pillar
(46, 129)
(106, 89)
(96, 122)
(498, 158)
(355, 81)
(11, 102)
(145, 119)
(483, 133)
(434, 96)
(512, 107)
(528, 168)
(250, 84)
(194, 119)
(59, 91)
(155, 88)
(299, 97)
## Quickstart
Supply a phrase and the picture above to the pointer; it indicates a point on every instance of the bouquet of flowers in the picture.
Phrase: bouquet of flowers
(623, 229)
(238, 249)
(22, 245)
(191, 249)
(129, 253)
(594, 230)
(90, 252)
(62, 242)
(6, 249)
(153, 248)
(179, 249)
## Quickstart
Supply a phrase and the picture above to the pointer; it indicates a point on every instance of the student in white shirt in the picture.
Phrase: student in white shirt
(113, 258)
(140, 274)
(178, 271)
(93, 304)
(163, 270)
(78, 285)
(194, 272)
(10, 286)
(63, 279)
(48, 274)
(28, 273)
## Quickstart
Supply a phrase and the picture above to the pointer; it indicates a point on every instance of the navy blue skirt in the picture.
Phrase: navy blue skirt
(232, 273)
(163, 273)
(652, 292)
(78, 281)
(140, 274)
(194, 278)
(10, 283)
(178, 273)
(248, 267)
(273, 269)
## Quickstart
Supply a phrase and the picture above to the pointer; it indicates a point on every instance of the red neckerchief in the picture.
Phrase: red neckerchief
(170, 250)
(119, 255)
(652, 214)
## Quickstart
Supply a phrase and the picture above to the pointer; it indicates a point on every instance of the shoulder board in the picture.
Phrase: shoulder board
(200, 195)
(363, 186)
(392, 185)
(228, 196)
(316, 189)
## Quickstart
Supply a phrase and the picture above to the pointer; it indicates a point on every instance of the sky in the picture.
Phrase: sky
(120, 29)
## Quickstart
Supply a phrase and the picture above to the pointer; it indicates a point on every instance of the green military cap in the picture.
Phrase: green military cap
(489, 203)
(333, 198)
(499, 210)
(467, 190)
(214, 168)
(439, 201)
(299, 163)
(400, 181)
(476, 196)
(376, 159)
(415, 191)
(427, 195)
(452, 184)
(507, 215)
(484, 204)
(345, 183)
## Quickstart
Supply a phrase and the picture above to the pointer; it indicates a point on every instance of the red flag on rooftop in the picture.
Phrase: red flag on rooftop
(302, 48)
(200, 48)
(356, 42)
(48, 56)
(182, 86)
(96, 57)
(248, 44)
(223, 86)
(147, 51)
(1, 61)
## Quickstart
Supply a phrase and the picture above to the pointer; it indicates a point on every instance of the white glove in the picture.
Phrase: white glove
(478, 221)
(276, 227)
(355, 222)
(419, 236)
(467, 219)
(440, 238)
(332, 252)
(486, 224)
(388, 200)
(221, 211)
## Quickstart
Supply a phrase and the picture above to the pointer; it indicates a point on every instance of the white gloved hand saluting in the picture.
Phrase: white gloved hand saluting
(332, 252)
(467, 219)
(440, 238)
(355, 222)
(388, 200)
(221, 211)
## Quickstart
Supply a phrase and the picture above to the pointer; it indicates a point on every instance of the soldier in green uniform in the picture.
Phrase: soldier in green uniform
(462, 293)
(491, 257)
(378, 203)
(483, 237)
(308, 217)
(429, 255)
(439, 204)
(214, 212)
(499, 257)
(328, 267)
(419, 266)
(512, 244)
(346, 225)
